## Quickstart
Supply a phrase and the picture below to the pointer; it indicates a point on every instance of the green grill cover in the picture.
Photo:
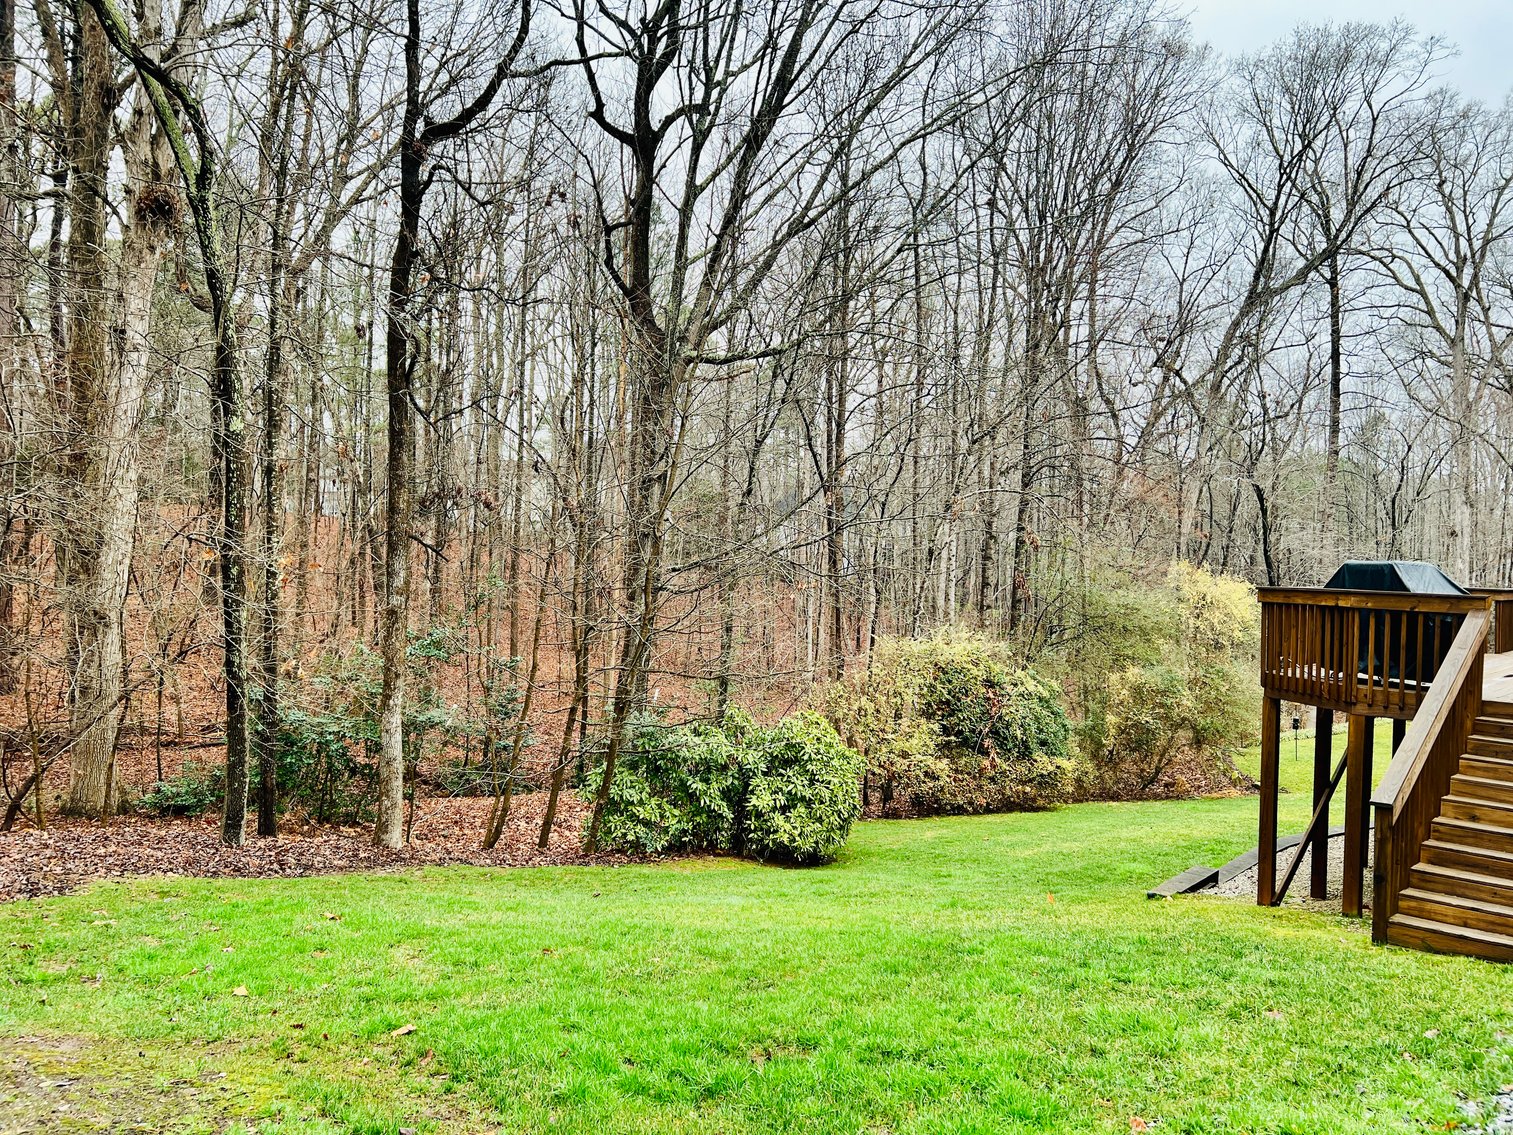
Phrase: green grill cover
(1408, 576)
(1393, 575)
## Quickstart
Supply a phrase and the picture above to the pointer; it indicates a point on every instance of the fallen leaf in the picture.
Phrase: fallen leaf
(332, 917)
(403, 1030)
(239, 991)
(1138, 1124)
(1431, 1033)
(1276, 1015)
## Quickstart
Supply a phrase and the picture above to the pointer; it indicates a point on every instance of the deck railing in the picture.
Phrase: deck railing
(1408, 798)
(1365, 652)
(1500, 637)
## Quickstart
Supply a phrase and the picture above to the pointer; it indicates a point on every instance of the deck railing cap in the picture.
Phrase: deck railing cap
(1375, 600)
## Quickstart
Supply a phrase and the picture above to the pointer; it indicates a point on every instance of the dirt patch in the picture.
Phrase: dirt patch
(71, 854)
(66, 1084)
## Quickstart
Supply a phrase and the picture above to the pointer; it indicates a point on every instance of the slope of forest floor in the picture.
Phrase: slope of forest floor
(975, 974)
(72, 853)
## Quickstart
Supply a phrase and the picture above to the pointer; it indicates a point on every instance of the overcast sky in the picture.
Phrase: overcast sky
(1482, 29)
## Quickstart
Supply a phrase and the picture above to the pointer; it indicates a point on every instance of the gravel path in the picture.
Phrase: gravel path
(1243, 885)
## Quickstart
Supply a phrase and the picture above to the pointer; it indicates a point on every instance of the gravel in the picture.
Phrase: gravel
(1243, 885)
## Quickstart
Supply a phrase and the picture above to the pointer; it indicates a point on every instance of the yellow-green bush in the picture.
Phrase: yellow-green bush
(1188, 693)
(951, 724)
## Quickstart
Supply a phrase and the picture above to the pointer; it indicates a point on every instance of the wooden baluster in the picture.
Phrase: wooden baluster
(1336, 671)
(1370, 659)
(1423, 670)
(1309, 652)
(1290, 645)
(1402, 666)
(1319, 674)
(1326, 656)
(1351, 655)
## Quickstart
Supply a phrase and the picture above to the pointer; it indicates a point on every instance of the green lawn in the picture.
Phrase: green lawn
(993, 974)
(1295, 768)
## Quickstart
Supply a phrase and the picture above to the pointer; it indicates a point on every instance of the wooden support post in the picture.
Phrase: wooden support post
(1266, 843)
(1368, 745)
(1357, 793)
(1323, 751)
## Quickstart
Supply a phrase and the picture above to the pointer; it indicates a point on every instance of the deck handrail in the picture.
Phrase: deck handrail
(1408, 797)
(1373, 600)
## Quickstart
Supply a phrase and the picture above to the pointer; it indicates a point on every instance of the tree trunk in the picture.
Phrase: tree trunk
(96, 522)
(393, 631)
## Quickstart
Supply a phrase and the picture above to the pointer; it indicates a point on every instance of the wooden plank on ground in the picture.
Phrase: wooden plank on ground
(1193, 879)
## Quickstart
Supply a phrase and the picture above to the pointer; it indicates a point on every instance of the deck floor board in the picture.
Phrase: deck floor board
(1497, 678)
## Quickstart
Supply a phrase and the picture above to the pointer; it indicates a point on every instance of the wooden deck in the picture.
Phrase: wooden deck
(1497, 679)
(1441, 666)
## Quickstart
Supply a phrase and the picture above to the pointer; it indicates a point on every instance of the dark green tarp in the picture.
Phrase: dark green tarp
(1412, 576)
(1407, 576)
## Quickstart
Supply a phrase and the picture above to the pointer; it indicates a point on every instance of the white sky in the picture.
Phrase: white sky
(1482, 29)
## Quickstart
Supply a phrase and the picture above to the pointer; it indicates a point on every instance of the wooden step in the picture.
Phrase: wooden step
(1477, 811)
(1447, 938)
(1472, 834)
(1479, 914)
(1488, 768)
(1481, 788)
(1487, 746)
(1502, 709)
(1482, 860)
(1462, 883)
(1494, 727)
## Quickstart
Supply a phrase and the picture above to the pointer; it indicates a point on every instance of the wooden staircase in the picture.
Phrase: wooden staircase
(1441, 815)
(1459, 897)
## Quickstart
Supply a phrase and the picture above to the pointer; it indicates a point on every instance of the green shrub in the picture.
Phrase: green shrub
(195, 790)
(801, 791)
(788, 792)
(674, 789)
(949, 724)
(324, 762)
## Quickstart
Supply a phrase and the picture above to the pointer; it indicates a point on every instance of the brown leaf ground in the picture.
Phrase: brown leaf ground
(73, 853)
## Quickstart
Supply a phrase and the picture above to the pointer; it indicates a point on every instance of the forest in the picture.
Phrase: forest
(438, 399)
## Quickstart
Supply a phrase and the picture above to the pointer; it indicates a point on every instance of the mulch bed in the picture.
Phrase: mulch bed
(73, 853)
